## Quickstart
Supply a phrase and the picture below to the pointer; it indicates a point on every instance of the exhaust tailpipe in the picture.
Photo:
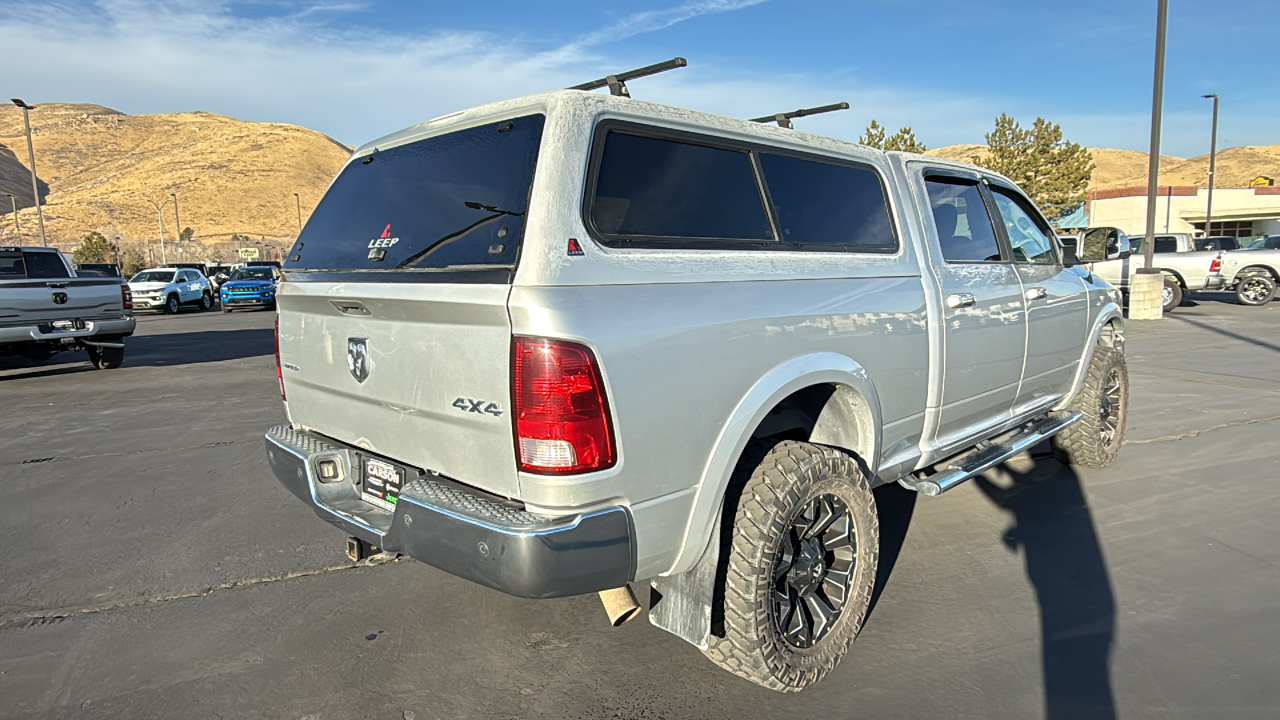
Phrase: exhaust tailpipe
(620, 604)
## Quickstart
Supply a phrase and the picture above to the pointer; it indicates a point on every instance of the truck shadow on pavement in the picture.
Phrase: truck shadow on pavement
(190, 348)
(1054, 530)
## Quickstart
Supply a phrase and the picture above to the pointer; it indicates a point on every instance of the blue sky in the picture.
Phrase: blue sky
(356, 70)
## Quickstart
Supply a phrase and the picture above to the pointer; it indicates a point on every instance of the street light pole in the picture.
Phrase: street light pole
(298, 202)
(160, 222)
(177, 228)
(14, 202)
(1213, 156)
(31, 157)
(1146, 296)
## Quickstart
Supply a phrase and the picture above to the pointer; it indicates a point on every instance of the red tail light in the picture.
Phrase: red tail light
(279, 375)
(1216, 265)
(126, 296)
(561, 416)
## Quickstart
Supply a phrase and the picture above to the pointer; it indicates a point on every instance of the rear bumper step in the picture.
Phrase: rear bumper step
(461, 532)
(987, 457)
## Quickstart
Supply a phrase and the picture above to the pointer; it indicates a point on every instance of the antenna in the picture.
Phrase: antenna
(784, 119)
(617, 84)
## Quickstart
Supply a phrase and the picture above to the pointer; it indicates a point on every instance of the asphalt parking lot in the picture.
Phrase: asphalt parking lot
(152, 567)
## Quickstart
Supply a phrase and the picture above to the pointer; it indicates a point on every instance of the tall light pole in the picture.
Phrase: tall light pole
(1213, 156)
(1146, 295)
(177, 227)
(298, 203)
(31, 157)
(160, 221)
(14, 202)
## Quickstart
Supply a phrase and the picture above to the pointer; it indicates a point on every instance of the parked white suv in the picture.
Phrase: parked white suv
(168, 289)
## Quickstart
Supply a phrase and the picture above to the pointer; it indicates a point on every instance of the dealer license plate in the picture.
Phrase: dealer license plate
(381, 483)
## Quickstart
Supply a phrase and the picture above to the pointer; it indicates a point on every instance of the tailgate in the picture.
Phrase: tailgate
(418, 373)
(27, 301)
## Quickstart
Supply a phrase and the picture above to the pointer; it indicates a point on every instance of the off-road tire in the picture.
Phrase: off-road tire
(171, 305)
(106, 358)
(1255, 288)
(206, 302)
(1171, 296)
(1084, 443)
(787, 476)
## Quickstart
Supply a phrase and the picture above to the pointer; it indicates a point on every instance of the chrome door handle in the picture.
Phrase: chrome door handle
(1036, 293)
(960, 300)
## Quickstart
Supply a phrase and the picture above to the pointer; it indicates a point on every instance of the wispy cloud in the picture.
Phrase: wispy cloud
(654, 20)
(305, 66)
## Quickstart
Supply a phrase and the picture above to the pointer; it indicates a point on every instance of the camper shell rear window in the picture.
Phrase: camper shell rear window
(451, 202)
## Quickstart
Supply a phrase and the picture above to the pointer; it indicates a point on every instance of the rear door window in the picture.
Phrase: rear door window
(452, 201)
(1166, 245)
(43, 265)
(658, 188)
(965, 232)
(821, 203)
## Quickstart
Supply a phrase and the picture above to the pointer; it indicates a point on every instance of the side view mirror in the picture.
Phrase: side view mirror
(1101, 244)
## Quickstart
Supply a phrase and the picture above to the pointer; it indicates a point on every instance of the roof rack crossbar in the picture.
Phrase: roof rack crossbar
(784, 119)
(617, 83)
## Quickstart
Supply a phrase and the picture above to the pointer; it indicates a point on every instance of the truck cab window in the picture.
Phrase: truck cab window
(1030, 240)
(960, 215)
(45, 265)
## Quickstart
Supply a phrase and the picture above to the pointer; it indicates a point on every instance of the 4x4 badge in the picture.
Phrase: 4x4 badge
(358, 358)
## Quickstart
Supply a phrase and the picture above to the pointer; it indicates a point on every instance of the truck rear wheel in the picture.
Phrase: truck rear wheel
(1255, 288)
(106, 358)
(800, 566)
(1171, 294)
(1095, 440)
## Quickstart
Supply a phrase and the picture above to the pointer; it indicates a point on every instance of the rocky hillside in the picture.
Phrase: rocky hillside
(99, 168)
(1121, 168)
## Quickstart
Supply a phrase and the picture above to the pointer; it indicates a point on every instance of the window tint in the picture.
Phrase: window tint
(665, 188)
(453, 199)
(1028, 238)
(826, 204)
(11, 265)
(45, 265)
(1166, 245)
(960, 215)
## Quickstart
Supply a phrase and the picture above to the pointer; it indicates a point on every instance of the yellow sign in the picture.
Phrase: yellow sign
(249, 253)
(1261, 181)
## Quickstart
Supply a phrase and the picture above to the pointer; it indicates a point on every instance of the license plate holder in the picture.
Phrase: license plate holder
(381, 482)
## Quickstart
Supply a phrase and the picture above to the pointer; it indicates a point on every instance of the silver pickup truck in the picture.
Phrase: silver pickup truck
(1185, 268)
(1254, 270)
(566, 343)
(45, 309)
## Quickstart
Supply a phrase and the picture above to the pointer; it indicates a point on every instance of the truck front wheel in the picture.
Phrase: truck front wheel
(800, 566)
(1103, 399)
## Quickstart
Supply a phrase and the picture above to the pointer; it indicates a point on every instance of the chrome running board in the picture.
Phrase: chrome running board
(987, 455)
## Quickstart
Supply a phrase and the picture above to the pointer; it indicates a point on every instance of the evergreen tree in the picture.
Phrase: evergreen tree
(1052, 171)
(904, 139)
(94, 248)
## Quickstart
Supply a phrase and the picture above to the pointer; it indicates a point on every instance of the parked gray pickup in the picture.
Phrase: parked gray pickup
(45, 309)
(565, 343)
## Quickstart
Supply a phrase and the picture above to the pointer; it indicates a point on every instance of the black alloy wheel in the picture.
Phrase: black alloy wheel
(1255, 289)
(1110, 409)
(812, 571)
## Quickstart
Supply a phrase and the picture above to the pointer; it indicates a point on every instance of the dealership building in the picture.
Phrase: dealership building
(1242, 212)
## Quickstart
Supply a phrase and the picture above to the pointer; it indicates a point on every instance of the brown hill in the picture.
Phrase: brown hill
(1236, 167)
(101, 167)
(1112, 167)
